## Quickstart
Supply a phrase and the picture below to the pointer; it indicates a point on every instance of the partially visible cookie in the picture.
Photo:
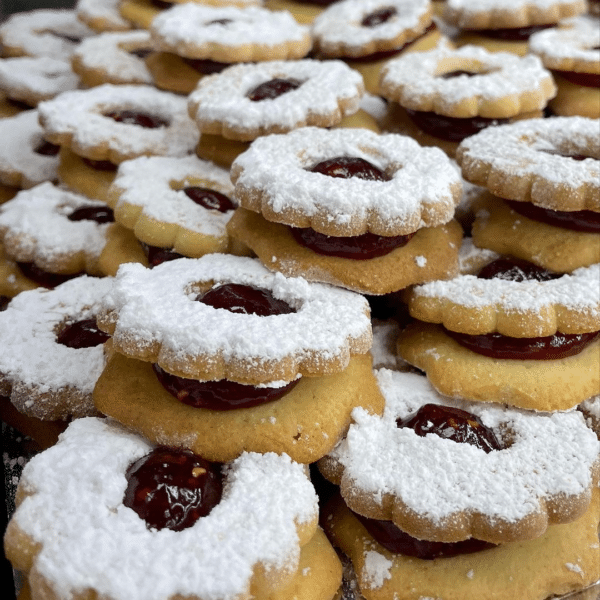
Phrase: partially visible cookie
(101, 15)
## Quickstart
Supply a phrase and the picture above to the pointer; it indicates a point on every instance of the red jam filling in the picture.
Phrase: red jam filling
(44, 278)
(219, 395)
(161, 4)
(552, 347)
(209, 199)
(133, 117)
(453, 424)
(591, 80)
(156, 255)
(172, 488)
(585, 221)
(513, 34)
(81, 334)
(273, 89)
(100, 165)
(383, 15)
(346, 167)
(450, 129)
(4, 302)
(46, 149)
(397, 541)
(99, 214)
(514, 269)
(205, 66)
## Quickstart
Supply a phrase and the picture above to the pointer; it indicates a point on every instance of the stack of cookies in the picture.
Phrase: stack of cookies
(312, 293)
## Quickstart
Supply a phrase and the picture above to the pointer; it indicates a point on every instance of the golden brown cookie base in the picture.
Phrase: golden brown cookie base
(558, 249)
(543, 385)
(8, 108)
(566, 558)
(138, 12)
(121, 247)
(81, 178)
(575, 100)
(274, 244)
(303, 12)
(464, 38)
(306, 423)
(171, 73)
(12, 280)
(7, 192)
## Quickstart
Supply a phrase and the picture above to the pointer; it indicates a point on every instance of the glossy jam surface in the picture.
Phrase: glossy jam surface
(205, 66)
(99, 214)
(452, 424)
(245, 299)
(44, 278)
(516, 34)
(172, 488)
(514, 269)
(552, 347)
(100, 165)
(209, 199)
(451, 129)
(81, 334)
(360, 247)
(156, 255)
(397, 541)
(585, 221)
(47, 149)
(379, 16)
(345, 167)
(133, 117)
(273, 89)
(219, 395)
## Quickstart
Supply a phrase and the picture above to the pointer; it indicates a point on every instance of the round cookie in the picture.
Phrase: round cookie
(304, 11)
(101, 15)
(113, 57)
(570, 51)
(192, 40)
(407, 191)
(53, 352)
(507, 25)
(442, 96)
(511, 488)
(279, 552)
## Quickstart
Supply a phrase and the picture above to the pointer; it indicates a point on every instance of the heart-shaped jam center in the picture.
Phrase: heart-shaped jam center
(586, 221)
(99, 214)
(209, 199)
(133, 117)
(273, 89)
(173, 488)
(453, 424)
(345, 167)
(245, 299)
(81, 334)
(379, 16)
(513, 269)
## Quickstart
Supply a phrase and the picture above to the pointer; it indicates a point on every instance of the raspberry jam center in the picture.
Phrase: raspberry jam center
(452, 424)
(81, 334)
(172, 488)
(345, 167)
(273, 89)
(379, 16)
(133, 117)
(209, 199)
(156, 255)
(552, 347)
(44, 278)
(100, 165)
(397, 541)
(205, 66)
(585, 221)
(513, 269)
(99, 214)
(219, 395)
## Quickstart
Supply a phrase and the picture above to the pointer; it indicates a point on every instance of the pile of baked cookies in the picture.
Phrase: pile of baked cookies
(312, 291)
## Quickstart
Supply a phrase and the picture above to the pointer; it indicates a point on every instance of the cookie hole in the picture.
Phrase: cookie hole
(273, 88)
(223, 22)
(378, 17)
(74, 39)
(205, 194)
(79, 333)
(46, 148)
(139, 118)
(141, 52)
(99, 165)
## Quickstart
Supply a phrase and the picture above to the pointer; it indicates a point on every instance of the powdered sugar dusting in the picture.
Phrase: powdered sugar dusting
(78, 487)
(377, 569)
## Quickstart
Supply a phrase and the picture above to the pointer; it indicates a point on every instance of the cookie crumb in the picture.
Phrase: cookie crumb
(470, 574)
(421, 261)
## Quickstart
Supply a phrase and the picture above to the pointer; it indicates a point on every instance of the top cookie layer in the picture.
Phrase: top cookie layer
(534, 161)
(343, 28)
(273, 177)
(152, 316)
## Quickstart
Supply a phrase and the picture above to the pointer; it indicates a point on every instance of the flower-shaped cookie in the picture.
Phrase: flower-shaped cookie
(264, 523)
(101, 15)
(392, 467)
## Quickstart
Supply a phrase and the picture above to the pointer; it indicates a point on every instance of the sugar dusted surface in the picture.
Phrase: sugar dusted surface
(421, 185)
(105, 10)
(20, 136)
(490, 5)
(157, 305)
(80, 114)
(31, 356)
(223, 97)
(437, 477)
(146, 182)
(77, 490)
(37, 221)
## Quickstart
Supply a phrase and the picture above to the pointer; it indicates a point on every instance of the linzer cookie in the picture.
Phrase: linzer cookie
(101, 15)
(511, 488)
(368, 212)
(186, 516)
(53, 351)
(221, 344)
(50, 235)
(99, 128)
(367, 33)
(304, 11)
(445, 95)
(506, 25)
(113, 57)
(245, 101)
(544, 175)
(570, 51)
(44, 32)
(192, 40)
(591, 412)
(172, 207)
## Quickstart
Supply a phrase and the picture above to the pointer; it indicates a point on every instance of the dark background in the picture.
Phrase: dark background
(10, 6)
